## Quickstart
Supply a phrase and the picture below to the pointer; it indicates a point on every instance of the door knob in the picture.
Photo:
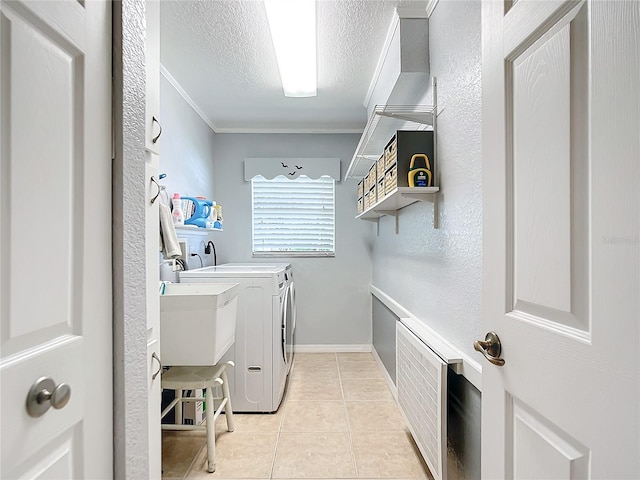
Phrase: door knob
(44, 394)
(490, 348)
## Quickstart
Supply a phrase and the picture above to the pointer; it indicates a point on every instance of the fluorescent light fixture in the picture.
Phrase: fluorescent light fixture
(293, 31)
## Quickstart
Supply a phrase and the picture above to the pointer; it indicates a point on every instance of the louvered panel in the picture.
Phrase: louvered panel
(293, 215)
(422, 394)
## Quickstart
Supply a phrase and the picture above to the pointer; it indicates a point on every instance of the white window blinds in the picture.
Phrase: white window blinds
(293, 217)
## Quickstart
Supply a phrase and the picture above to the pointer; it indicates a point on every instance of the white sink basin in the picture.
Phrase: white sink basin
(197, 322)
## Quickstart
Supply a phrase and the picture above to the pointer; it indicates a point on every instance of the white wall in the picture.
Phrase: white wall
(130, 412)
(332, 293)
(436, 273)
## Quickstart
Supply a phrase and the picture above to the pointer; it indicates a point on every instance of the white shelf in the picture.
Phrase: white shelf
(382, 125)
(196, 230)
(399, 198)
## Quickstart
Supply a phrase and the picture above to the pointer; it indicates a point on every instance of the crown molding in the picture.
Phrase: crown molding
(174, 83)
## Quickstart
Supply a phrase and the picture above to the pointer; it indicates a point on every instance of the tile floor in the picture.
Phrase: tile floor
(338, 420)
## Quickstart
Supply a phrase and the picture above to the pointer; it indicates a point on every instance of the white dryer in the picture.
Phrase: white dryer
(258, 380)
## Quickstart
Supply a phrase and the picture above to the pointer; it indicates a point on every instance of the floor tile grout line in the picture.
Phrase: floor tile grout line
(193, 460)
(284, 406)
(275, 451)
(346, 414)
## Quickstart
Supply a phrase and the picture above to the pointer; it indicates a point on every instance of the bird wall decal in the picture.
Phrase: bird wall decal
(299, 168)
(292, 173)
(285, 166)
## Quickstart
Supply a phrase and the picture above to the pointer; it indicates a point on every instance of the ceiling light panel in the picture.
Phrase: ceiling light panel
(293, 30)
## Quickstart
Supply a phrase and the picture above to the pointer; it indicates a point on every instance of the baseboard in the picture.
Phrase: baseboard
(392, 386)
(332, 348)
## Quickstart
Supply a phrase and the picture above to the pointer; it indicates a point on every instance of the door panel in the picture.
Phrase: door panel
(548, 227)
(561, 172)
(558, 455)
(56, 463)
(41, 118)
(20, 372)
(55, 236)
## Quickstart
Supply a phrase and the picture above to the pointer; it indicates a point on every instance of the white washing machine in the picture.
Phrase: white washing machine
(290, 312)
(260, 351)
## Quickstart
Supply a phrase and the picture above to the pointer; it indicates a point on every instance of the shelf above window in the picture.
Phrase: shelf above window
(385, 120)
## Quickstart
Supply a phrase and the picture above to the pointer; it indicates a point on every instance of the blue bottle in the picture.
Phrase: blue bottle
(201, 211)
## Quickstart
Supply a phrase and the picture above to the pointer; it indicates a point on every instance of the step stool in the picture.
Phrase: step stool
(196, 378)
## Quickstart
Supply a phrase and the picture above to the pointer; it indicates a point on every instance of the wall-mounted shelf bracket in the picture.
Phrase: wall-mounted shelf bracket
(391, 213)
(426, 197)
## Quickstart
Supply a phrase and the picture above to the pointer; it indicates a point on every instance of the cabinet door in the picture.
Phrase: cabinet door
(152, 136)
(152, 255)
(152, 56)
(154, 396)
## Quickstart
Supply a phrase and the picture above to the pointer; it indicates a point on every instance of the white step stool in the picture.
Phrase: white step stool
(195, 378)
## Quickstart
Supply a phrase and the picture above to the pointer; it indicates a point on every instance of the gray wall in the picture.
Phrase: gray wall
(187, 158)
(331, 293)
(384, 335)
(436, 273)
(187, 146)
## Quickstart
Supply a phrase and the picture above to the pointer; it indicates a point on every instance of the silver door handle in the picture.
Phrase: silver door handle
(157, 137)
(155, 356)
(44, 394)
(490, 348)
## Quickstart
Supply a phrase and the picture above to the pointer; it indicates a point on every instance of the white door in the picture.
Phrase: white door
(561, 286)
(55, 238)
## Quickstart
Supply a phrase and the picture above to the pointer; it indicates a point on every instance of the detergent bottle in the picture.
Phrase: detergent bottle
(177, 214)
(201, 211)
(418, 176)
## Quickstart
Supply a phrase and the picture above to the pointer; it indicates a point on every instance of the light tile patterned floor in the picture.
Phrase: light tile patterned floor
(338, 420)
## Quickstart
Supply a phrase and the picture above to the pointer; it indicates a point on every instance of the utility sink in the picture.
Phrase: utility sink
(197, 322)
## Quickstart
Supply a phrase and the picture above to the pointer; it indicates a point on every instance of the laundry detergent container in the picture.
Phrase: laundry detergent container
(197, 322)
(197, 211)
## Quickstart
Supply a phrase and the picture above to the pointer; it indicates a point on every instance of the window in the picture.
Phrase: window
(293, 217)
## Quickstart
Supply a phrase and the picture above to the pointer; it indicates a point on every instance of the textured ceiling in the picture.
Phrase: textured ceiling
(220, 53)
